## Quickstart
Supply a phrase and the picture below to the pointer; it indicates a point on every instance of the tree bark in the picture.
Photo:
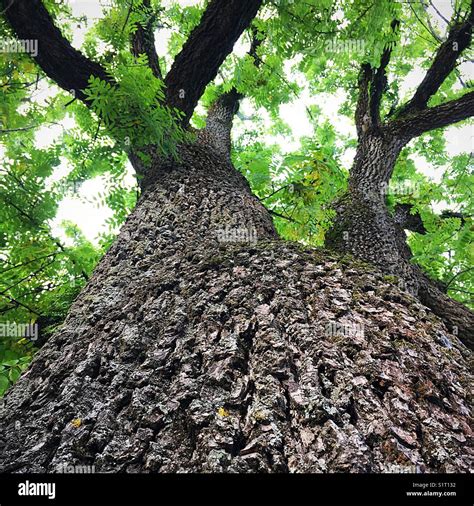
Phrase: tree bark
(219, 121)
(204, 343)
(195, 348)
(365, 228)
(205, 50)
(67, 66)
(143, 41)
(363, 225)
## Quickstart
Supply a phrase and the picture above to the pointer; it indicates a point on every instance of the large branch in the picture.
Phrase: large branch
(221, 114)
(220, 119)
(408, 220)
(444, 62)
(379, 83)
(205, 50)
(372, 83)
(404, 218)
(459, 318)
(67, 66)
(362, 114)
(453, 214)
(143, 42)
(434, 117)
(379, 80)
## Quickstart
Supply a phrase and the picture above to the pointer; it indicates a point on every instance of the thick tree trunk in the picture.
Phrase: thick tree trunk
(365, 228)
(363, 225)
(188, 352)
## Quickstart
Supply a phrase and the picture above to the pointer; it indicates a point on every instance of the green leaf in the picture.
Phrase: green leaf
(4, 384)
(10, 363)
(14, 374)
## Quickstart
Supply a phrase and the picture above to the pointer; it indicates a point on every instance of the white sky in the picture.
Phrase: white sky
(91, 219)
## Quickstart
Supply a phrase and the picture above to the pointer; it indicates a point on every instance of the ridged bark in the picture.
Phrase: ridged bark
(189, 353)
(365, 228)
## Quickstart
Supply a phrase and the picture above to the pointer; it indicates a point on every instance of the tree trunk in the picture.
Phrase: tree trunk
(204, 343)
(365, 228)
(363, 225)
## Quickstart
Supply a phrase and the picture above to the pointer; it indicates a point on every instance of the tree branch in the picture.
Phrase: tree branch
(458, 40)
(206, 48)
(379, 80)
(221, 114)
(36, 223)
(33, 274)
(434, 117)
(457, 275)
(219, 121)
(143, 42)
(279, 215)
(67, 66)
(437, 12)
(18, 303)
(453, 214)
(412, 221)
(372, 84)
(362, 115)
(408, 221)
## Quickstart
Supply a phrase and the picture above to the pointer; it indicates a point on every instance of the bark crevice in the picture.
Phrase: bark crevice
(217, 370)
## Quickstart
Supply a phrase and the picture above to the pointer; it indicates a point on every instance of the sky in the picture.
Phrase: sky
(91, 219)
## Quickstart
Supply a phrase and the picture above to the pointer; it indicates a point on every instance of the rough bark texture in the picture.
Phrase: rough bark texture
(406, 220)
(187, 353)
(219, 122)
(365, 228)
(143, 41)
(222, 23)
(363, 225)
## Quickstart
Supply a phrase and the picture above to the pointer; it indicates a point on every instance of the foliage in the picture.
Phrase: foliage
(298, 188)
(14, 359)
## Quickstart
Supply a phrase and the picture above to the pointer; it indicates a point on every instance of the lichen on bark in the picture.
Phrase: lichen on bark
(185, 353)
